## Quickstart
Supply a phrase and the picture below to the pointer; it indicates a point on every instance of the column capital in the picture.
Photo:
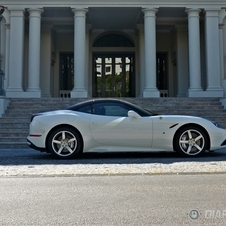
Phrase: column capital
(149, 11)
(35, 10)
(15, 8)
(79, 11)
(193, 12)
(212, 12)
(16, 12)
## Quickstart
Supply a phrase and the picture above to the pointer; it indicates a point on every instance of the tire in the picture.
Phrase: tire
(65, 143)
(191, 141)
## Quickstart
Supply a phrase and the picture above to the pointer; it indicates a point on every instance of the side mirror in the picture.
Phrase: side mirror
(133, 114)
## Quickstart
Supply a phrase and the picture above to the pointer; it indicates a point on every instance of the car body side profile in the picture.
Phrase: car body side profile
(114, 125)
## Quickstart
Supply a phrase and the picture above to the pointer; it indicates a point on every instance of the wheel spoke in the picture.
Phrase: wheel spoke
(60, 150)
(189, 149)
(72, 140)
(69, 149)
(63, 135)
(183, 141)
(56, 141)
(198, 147)
(198, 138)
(189, 134)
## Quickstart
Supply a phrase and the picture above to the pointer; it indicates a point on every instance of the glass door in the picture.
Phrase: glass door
(113, 75)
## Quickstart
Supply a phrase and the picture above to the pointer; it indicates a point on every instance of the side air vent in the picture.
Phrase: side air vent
(173, 125)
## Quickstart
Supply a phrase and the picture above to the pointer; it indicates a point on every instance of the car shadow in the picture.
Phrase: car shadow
(31, 157)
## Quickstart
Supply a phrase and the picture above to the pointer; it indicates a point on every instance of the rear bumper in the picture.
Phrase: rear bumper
(31, 145)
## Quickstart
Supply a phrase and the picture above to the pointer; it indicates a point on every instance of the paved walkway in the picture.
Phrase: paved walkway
(28, 162)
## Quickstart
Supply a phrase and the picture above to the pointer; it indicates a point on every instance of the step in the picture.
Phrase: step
(14, 145)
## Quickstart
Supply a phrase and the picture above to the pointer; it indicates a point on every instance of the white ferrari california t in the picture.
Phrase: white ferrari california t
(113, 125)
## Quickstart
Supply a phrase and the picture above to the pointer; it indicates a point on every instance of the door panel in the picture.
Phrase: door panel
(122, 131)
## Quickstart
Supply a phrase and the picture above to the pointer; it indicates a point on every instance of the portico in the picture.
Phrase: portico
(35, 37)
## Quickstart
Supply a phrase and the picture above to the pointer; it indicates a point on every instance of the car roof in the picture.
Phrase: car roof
(100, 100)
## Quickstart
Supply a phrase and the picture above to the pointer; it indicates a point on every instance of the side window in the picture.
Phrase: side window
(99, 109)
(116, 110)
(112, 109)
(85, 109)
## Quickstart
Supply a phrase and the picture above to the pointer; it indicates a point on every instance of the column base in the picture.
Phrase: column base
(207, 93)
(214, 92)
(151, 93)
(14, 93)
(22, 94)
(195, 93)
(79, 93)
(34, 94)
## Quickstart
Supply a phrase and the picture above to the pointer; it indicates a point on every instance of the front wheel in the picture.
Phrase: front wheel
(191, 141)
(65, 143)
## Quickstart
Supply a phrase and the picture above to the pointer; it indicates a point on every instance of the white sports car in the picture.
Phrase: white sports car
(109, 125)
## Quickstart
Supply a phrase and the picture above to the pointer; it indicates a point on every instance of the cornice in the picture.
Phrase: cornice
(218, 4)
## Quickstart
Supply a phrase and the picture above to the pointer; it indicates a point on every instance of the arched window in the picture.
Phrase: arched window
(113, 40)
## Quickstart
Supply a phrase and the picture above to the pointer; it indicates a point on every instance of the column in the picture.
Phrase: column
(87, 69)
(34, 52)
(213, 71)
(46, 60)
(7, 27)
(141, 57)
(79, 90)
(221, 26)
(2, 92)
(150, 53)
(16, 53)
(182, 60)
(194, 53)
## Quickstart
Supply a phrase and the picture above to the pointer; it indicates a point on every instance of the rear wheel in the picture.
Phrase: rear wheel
(191, 141)
(65, 143)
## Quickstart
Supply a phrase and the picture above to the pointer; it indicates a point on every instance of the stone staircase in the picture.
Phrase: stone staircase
(14, 125)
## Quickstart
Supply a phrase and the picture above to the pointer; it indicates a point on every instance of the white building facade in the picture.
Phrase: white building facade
(126, 48)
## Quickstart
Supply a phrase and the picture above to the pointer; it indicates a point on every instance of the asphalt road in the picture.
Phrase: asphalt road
(114, 200)
(28, 162)
(112, 189)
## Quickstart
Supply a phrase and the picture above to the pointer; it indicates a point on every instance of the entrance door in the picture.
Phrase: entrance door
(113, 75)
